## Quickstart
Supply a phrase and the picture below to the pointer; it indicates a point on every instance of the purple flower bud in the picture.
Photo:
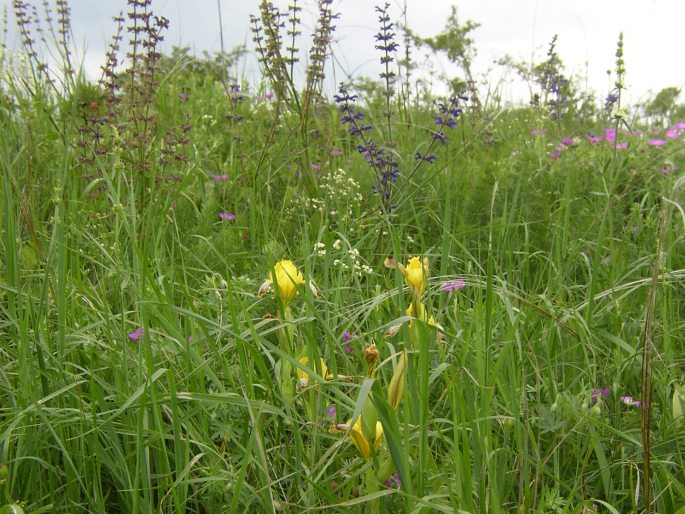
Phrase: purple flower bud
(600, 393)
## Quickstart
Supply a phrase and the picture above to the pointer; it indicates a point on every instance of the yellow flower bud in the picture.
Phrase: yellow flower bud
(371, 358)
(288, 278)
(396, 387)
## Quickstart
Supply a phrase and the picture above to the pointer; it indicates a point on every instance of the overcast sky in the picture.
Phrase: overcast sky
(587, 29)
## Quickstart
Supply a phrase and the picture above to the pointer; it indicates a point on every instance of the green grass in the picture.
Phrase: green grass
(570, 266)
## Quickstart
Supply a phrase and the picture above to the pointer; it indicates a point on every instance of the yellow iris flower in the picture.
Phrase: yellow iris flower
(415, 273)
(357, 436)
(422, 314)
(288, 278)
(303, 376)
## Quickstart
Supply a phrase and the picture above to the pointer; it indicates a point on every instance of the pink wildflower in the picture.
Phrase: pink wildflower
(226, 216)
(454, 285)
(610, 134)
(672, 133)
(137, 334)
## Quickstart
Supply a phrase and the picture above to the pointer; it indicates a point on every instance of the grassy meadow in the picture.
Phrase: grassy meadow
(221, 296)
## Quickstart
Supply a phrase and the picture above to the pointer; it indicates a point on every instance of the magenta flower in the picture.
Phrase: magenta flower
(679, 126)
(621, 146)
(666, 170)
(334, 152)
(453, 285)
(226, 216)
(315, 166)
(555, 156)
(183, 97)
(331, 411)
(610, 134)
(594, 139)
(568, 141)
(656, 142)
(136, 334)
(538, 132)
(672, 133)
(223, 176)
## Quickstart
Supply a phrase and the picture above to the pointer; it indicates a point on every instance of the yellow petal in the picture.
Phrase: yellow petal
(360, 441)
(415, 274)
(302, 375)
(288, 278)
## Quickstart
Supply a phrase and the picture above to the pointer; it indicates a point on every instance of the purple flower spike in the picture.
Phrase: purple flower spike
(454, 285)
(347, 337)
(600, 393)
(136, 334)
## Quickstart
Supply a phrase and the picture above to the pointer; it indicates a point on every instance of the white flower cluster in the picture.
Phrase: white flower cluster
(351, 260)
(341, 189)
(320, 249)
(341, 197)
